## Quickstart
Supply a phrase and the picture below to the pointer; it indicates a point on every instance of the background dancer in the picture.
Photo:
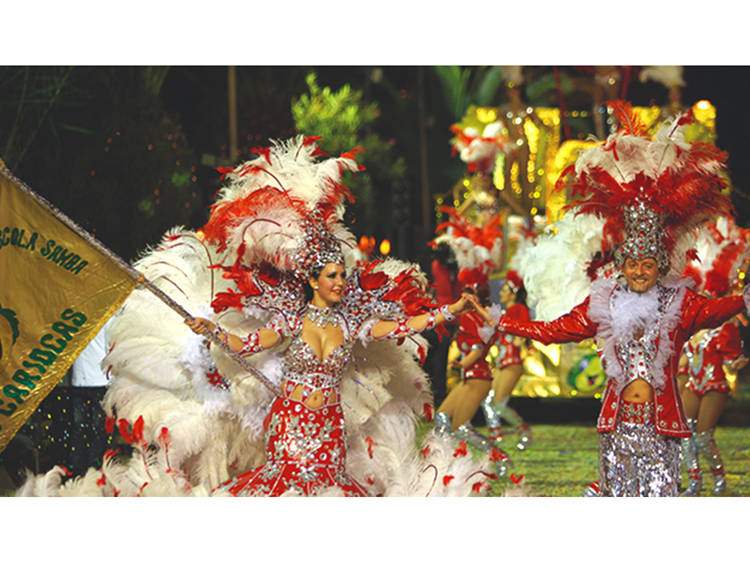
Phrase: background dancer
(707, 353)
(510, 366)
(454, 415)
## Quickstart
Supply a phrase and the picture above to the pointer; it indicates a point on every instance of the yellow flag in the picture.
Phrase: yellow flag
(57, 289)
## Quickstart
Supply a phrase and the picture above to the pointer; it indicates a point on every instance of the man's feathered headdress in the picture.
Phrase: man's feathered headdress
(651, 191)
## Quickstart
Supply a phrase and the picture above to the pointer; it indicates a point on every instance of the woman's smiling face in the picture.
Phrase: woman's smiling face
(329, 285)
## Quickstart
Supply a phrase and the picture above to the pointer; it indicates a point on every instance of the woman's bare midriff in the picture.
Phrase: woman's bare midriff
(638, 391)
(314, 401)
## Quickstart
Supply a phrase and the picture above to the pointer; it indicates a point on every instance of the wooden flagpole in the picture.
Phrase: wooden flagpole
(138, 276)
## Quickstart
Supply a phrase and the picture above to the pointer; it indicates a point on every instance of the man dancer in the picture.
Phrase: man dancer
(653, 193)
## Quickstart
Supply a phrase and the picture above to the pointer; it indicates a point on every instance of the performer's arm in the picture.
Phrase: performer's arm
(700, 312)
(256, 341)
(730, 346)
(571, 327)
(385, 329)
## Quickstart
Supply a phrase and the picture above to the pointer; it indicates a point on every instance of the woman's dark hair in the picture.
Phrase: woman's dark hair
(314, 273)
(521, 296)
(483, 294)
(443, 253)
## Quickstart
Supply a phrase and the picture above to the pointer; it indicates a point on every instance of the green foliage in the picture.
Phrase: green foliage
(464, 86)
(98, 143)
(344, 120)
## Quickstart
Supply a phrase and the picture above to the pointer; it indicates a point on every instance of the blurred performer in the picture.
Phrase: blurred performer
(510, 368)
(653, 193)
(447, 289)
(704, 397)
(89, 382)
(705, 356)
(455, 413)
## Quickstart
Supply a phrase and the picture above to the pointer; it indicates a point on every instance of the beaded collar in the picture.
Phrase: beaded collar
(322, 316)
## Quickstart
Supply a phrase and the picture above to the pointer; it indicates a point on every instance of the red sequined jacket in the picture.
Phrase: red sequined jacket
(695, 313)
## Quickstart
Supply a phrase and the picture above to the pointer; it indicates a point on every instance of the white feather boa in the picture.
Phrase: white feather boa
(618, 323)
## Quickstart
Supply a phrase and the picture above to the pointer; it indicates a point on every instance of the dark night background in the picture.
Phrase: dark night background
(129, 151)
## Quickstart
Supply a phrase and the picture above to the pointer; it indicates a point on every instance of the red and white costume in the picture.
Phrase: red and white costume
(679, 312)
(706, 358)
(509, 353)
(201, 424)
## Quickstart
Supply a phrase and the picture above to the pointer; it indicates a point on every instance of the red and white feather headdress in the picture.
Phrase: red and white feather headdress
(284, 208)
(651, 191)
(722, 248)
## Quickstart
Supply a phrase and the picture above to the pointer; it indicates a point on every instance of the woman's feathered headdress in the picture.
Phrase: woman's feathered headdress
(284, 208)
(651, 191)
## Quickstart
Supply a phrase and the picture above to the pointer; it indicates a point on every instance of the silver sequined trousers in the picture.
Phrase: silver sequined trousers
(634, 460)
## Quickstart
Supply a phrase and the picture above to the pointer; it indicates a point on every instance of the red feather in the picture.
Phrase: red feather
(460, 451)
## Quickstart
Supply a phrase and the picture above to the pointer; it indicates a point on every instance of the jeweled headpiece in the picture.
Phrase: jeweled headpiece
(318, 248)
(652, 191)
(644, 236)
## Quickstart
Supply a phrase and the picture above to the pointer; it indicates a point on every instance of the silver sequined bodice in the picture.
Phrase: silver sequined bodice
(303, 366)
(637, 355)
(694, 355)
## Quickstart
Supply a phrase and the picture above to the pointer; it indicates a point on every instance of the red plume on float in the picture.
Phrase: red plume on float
(652, 191)
(477, 249)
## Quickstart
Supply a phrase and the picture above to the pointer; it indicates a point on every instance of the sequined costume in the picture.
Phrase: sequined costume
(468, 340)
(306, 447)
(706, 358)
(676, 313)
(509, 352)
(195, 418)
(496, 410)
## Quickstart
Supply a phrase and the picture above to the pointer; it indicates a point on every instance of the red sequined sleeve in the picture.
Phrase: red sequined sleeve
(730, 342)
(700, 312)
(571, 327)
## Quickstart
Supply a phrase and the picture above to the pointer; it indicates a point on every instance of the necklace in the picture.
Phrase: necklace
(322, 316)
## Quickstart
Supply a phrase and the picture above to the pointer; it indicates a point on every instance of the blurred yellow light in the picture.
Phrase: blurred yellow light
(486, 115)
(199, 234)
(535, 367)
(703, 104)
(385, 247)
(494, 352)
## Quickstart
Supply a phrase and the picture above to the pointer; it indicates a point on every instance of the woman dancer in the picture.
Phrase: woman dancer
(196, 419)
(455, 413)
(305, 436)
(510, 367)
(707, 353)
(704, 397)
